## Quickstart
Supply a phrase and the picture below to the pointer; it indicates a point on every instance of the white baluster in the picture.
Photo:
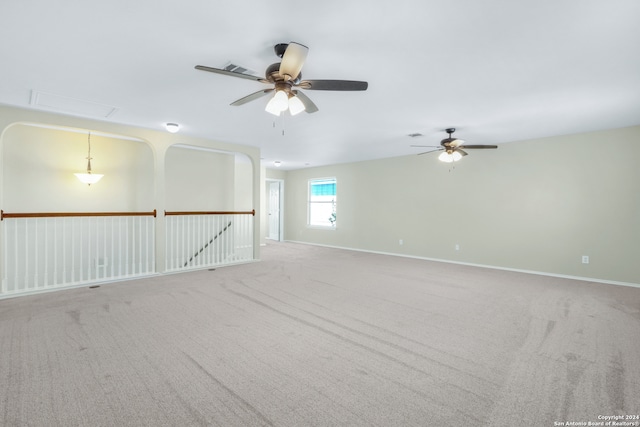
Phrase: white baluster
(15, 254)
(168, 241)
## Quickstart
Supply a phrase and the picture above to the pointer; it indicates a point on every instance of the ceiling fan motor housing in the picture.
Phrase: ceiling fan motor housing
(272, 74)
(280, 48)
(447, 142)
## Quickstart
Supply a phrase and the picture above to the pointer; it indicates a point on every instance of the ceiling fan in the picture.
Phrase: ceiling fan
(287, 81)
(452, 148)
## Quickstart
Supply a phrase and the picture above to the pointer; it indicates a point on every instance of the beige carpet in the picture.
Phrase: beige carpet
(314, 336)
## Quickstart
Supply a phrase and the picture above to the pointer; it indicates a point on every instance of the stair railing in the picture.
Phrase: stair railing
(202, 239)
(213, 239)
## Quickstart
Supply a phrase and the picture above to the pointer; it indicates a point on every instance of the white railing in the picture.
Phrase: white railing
(51, 251)
(196, 240)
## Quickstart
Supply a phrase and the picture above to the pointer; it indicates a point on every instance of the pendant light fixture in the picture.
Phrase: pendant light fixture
(89, 178)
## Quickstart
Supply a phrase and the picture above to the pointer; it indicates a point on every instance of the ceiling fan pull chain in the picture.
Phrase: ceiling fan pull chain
(282, 115)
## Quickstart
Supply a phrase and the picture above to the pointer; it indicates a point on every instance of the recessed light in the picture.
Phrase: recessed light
(414, 135)
(172, 127)
(277, 163)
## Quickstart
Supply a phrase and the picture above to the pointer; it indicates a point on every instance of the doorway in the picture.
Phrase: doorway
(275, 191)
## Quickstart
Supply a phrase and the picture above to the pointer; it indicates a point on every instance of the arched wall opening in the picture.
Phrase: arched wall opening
(209, 208)
(39, 154)
(58, 231)
(39, 162)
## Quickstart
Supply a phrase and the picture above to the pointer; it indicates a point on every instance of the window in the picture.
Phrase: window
(322, 202)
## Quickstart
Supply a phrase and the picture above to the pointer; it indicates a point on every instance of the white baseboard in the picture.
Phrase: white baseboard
(494, 267)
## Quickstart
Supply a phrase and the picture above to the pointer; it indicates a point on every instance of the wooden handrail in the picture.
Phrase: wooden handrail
(4, 215)
(251, 212)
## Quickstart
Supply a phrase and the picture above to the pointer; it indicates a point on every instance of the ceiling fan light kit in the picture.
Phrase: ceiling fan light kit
(449, 157)
(286, 78)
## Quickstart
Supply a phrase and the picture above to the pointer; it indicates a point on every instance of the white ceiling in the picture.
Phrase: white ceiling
(498, 70)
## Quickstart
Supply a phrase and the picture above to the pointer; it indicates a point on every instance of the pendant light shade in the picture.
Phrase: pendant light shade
(89, 178)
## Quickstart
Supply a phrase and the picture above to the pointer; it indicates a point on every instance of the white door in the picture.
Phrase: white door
(274, 210)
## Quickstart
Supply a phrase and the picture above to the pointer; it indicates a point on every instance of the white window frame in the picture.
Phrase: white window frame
(311, 181)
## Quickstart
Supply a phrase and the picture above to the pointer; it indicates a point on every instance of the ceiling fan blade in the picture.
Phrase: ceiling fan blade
(464, 153)
(426, 146)
(343, 85)
(431, 151)
(480, 146)
(230, 73)
(309, 106)
(293, 60)
(252, 97)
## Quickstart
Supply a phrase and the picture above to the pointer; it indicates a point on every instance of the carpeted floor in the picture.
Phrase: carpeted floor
(314, 336)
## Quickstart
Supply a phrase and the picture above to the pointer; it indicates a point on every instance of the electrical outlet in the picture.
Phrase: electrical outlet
(401, 242)
(585, 259)
(457, 247)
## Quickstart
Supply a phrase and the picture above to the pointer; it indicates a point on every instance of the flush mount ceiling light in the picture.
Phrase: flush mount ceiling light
(172, 127)
(277, 163)
(89, 178)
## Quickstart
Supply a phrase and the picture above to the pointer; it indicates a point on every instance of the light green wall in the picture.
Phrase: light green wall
(534, 205)
(275, 174)
(243, 181)
(199, 180)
